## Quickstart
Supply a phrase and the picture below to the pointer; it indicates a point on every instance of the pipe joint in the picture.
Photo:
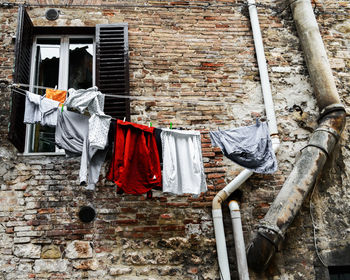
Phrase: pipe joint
(325, 136)
(272, 234)
(218, 199)
(234, 207)
(267, 226)
(329, 109)
(265, 244)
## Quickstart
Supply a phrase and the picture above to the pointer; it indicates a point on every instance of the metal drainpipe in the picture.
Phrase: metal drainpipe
(272, 228)
(245, 174)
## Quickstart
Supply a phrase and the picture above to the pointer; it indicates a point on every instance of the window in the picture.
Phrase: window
(339, 272)
(64, 61)
(67, 57)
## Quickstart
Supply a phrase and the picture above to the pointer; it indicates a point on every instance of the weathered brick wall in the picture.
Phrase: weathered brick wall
(179, 52)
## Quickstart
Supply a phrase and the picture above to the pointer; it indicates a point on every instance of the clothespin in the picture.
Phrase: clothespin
(171, 125)
(55, 87)
(124, 119)
(62, 108)
(150, 124)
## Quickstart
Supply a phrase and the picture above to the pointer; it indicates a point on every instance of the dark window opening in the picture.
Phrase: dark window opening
(80, 63)
(339, 272)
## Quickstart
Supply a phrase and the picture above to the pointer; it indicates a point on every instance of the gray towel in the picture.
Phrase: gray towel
(72, 135)
(248, 146)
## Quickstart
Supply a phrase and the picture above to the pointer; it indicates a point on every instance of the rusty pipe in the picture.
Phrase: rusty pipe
(309, 165)
(282, 212)
(315, 53)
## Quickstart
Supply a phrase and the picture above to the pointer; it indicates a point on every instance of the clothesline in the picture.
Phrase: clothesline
(183, 170)
(201, 101)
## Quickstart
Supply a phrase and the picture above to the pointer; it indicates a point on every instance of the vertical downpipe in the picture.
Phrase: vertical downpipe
(309, 165)
(245, 174)
(239, 241)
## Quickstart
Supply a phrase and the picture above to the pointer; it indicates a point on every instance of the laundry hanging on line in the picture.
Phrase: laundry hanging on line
(91, 100)
(135, 165)
(248, 146)
(72, 135)
(39, 109)
(244, 157)
(183, 170)
(56, 94)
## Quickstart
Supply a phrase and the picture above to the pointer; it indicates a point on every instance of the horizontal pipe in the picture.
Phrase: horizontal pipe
(237, 182)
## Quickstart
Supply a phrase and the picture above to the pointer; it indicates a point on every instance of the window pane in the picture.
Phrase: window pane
(46, 74)
(80, 63)
(47, 63)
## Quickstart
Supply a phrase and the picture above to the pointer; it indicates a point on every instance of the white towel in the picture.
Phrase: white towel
(183, 170)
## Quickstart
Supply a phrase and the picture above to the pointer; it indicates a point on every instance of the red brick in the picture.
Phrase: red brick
(10, 230)
(146, 228)
(46, 211)
(173, 228)
(222, 26)
(127, 222)
(129, 209)
(166, 216)
(177, 204)
(182, 3)
(58, 232)
(211, 64)
(215, 175)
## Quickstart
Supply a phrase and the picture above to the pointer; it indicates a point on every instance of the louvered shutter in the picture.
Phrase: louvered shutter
(112, 67)
(23, 51)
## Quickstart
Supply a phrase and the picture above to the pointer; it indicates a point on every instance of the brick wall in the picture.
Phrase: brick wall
(179, 52)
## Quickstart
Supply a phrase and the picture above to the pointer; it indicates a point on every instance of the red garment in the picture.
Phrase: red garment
(135, 165)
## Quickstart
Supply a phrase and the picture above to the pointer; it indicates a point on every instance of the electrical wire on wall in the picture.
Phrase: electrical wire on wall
(175, 5)
(199, 101)
(314, 227)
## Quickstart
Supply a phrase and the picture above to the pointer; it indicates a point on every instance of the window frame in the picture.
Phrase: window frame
(111, 57)
(62, 80)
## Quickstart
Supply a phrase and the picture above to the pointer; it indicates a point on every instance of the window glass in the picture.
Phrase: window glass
(80, 63)
(47, 62)
(65, 62)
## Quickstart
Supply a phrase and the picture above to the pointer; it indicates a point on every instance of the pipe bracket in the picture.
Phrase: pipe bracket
(329, 130)
(316, 146)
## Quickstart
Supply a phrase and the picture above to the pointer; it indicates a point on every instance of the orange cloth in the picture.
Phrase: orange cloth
(56, 94)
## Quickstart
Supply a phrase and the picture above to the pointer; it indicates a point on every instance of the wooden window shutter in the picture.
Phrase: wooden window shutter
(112, 67)
(23, 51)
